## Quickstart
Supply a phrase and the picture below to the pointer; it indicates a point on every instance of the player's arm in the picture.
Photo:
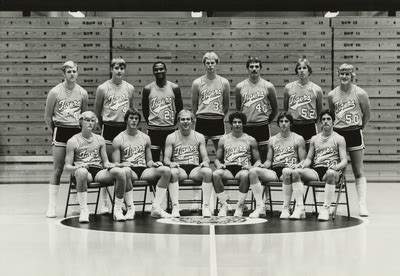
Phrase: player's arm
(226, 92)
(49, 110)
(195, 96)
(103, 154)
(220, 154)
(238, 97)
(69, 158)
(273, 102)
(168, 152)
(145, 103)
(178, 101)
(331, 105)
(301, 150)
(342, 154)
(85, 101)
(203, 153)
(116, 151)
(310, 155)
(149, 158)
(286, 98)
(318, 102)
(98, 104)
(365, 107)
(131, 93)
(255, 153)
(270, 154)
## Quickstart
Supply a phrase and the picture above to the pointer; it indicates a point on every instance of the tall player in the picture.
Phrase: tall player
(186, 155)
(234, 155)
(210, 100)
(303, 99)
(352, 111)
(327, 155)
(256, 98)
(113, 98)
(161, 101)
(87, 159)
(286, 152)
(131, 152)
(64, 103)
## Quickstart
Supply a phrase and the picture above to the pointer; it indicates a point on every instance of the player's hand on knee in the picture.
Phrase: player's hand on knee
(157, 164)
(174, 165)
(205, 164)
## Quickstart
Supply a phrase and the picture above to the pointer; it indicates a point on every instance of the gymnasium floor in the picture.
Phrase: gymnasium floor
(31, 244)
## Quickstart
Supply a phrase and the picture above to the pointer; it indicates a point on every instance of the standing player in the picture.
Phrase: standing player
(64, 103)
(234, 154)
(113, 98)
(256, 98)
(210, 100)
(328, 155)
(131, 152)
(352, 111)
(186, 154)
(87, 159)
(303, 99)
(161, 101)
(286, 152)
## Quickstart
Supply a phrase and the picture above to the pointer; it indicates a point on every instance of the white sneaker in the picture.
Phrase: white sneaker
(175, 211)
(118, 215)
(239, 210)
(259, 211)
(84, 215)
(363, 210)
(51, 212)
(298, 213)
(159, 213)
(324, 213)
(285, 214)
(205, 211)
(223, 210)
(104, 209)
(130, 214)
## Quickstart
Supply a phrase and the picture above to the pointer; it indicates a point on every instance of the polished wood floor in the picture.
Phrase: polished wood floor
(31, 244)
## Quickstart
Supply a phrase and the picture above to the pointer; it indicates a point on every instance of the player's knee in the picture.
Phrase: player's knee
(81, 174)
(164, 171)
(206, 172)
(295, 175)
(330, 176)
(117, 173)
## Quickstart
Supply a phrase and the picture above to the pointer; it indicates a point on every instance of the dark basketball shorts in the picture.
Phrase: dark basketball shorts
(62, 134)
(158, 137)
(234, 169)
(307, 130)
(109, 132)
(138, 171)
(212, 129)
(321, 171)
(188, 168)
(353, 137)
(278, 171)
(260, 132)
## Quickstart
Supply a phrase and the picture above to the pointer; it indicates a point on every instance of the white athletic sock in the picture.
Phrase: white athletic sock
(207, 189)
(361, 187)
(222, 197)
(53, 194)
(82, 199)
(257, 192)
(328, 194)
(129, 198)
(160, 193)
(242, 198)
(298, 192)
(287, 194)
(118, 203)
(174, 192)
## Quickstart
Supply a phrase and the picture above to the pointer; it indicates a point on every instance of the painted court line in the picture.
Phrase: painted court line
(213, 252)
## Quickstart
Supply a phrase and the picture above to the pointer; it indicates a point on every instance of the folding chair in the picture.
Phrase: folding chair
(92, 188)
(188, 185)
(318, 187)
(141, 186)
(274, 186)
(233, 185)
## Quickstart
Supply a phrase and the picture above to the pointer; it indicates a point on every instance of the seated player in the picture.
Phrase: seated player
(132, 152)
(327, 155)
(86, 158)
(234, 154)
(186, 155)
(286, 151)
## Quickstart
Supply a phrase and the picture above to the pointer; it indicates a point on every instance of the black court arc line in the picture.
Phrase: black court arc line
(149, 225)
